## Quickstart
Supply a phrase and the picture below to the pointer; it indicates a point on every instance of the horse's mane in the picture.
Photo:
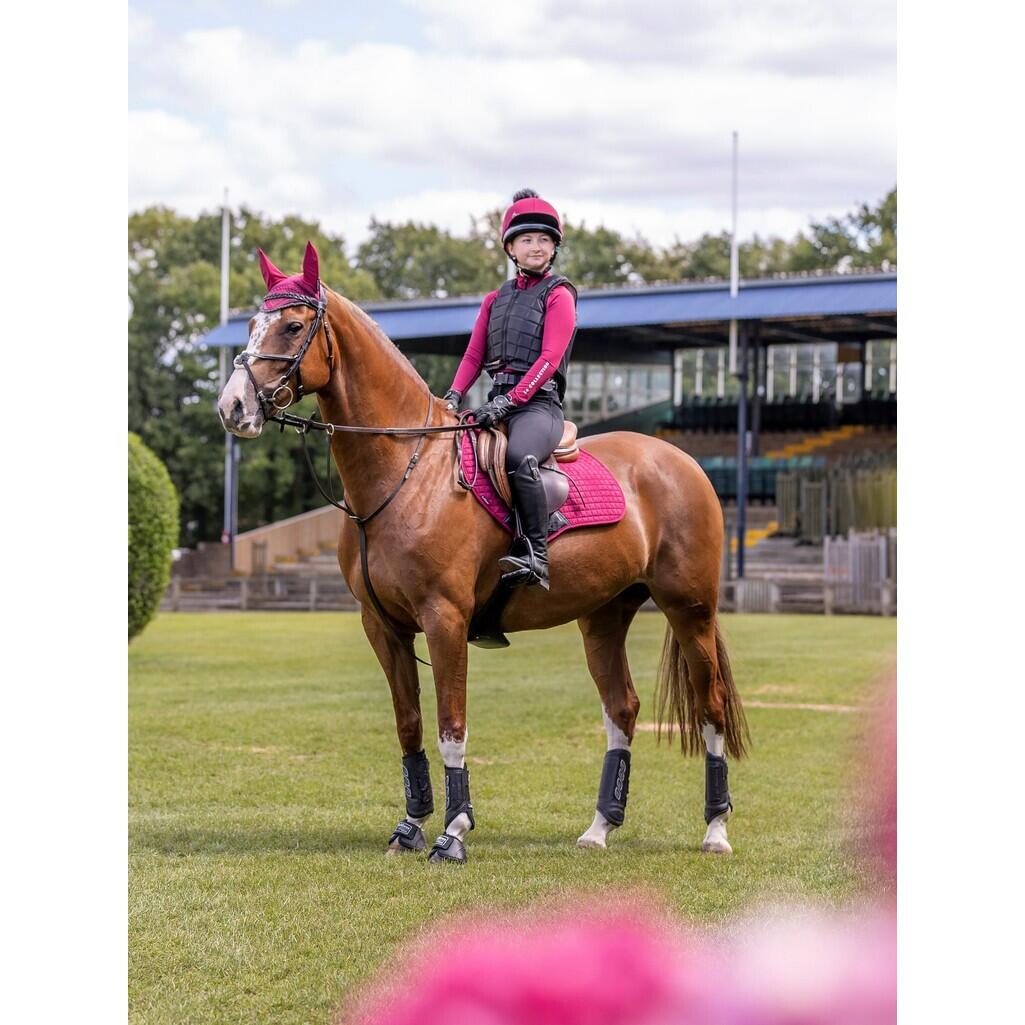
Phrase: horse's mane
(390, 350)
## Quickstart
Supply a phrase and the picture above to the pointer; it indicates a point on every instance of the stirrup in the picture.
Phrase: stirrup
(519, 570)
(525, 576)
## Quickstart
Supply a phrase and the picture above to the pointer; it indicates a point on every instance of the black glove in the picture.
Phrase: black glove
(493, 412)
(453, 398)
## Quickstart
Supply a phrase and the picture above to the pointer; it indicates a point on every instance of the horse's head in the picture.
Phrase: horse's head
(289, 352)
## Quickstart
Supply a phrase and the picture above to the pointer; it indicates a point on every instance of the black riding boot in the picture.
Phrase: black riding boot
(532, 508)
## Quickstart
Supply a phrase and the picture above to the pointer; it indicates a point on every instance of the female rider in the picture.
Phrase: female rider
(523, 338)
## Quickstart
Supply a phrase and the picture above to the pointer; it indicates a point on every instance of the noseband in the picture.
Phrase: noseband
(270, 404)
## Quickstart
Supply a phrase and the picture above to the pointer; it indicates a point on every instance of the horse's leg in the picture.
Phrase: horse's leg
(708, 688)
(445, 627)
(604, 632)
(399, 664)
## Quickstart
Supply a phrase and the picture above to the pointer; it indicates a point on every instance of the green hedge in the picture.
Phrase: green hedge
(152, 533)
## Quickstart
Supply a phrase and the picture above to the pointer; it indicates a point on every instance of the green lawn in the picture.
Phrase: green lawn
(265, 779)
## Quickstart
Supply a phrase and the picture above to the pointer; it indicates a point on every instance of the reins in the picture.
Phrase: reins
(303, 425)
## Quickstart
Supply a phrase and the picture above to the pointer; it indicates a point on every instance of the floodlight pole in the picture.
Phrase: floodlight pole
(741, 374)
(230, 522)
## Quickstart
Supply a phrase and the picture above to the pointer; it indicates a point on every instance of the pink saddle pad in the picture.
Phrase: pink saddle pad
(594, 494)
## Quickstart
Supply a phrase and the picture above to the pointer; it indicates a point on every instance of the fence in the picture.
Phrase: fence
(816, 503)
(280, 591)
(860, 573)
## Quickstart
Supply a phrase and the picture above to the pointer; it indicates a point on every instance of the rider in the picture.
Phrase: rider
(523, 338)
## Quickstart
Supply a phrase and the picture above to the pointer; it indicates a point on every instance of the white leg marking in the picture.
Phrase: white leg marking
(459, 826)
(715, 841)
(597, 834)
(453, 752)
(616, 737)
(713, 741)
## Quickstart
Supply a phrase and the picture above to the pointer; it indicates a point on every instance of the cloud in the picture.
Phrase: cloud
(626, 113)
(789, 36)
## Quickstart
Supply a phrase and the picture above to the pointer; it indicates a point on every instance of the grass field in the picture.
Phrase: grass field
(264, 780)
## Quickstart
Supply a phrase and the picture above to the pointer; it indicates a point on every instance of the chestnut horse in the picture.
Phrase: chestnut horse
(432, 558)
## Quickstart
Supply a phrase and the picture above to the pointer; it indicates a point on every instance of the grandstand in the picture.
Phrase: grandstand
(813, 379)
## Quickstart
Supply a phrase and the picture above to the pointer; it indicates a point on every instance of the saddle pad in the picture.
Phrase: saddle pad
(594, 494)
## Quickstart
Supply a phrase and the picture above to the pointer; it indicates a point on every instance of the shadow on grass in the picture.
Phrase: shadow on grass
(175, 841)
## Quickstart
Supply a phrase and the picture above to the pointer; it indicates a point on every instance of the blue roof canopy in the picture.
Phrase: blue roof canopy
(676, 305)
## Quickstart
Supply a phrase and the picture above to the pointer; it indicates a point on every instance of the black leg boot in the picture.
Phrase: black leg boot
(532, 507)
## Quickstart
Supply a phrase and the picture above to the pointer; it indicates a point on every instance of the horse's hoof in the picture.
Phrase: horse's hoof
(716, 847)
(447, 848)
(592, 843)
(407, 839)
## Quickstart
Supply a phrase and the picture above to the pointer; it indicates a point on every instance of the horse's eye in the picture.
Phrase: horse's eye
(295, 327)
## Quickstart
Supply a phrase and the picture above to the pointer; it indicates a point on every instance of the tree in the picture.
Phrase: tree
(412, 261)
(174, 295)
(152, 533)
(591, 257)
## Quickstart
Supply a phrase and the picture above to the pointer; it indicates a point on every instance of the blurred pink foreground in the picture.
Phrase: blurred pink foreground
(576, 968)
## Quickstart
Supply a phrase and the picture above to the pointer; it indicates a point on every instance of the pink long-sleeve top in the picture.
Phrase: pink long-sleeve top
(560, 320)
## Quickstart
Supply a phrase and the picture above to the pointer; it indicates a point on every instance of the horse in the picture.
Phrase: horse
(427, 560)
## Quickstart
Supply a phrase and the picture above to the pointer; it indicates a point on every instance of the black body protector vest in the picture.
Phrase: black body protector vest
(516, 326)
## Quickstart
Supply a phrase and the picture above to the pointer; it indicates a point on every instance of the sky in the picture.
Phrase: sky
(438, 110)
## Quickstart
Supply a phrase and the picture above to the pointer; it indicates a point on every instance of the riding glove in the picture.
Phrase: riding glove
(493, 412)
(453, 398)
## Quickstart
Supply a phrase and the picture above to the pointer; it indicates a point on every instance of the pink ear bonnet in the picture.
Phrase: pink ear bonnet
(307, 283)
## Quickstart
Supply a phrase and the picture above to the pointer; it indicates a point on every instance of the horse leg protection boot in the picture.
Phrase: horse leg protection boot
(717, 790)
(449, 847)
(457, 795)
(416, 778)
(532, 507)
(614, 785)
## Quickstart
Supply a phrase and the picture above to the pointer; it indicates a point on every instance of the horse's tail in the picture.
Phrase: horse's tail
(676, 705)
(738, 736)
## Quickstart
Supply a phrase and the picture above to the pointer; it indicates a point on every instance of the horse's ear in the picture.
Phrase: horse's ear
(311, 269)
(271, 275)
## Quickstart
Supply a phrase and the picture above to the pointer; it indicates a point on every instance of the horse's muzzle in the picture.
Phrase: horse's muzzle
(236, 421)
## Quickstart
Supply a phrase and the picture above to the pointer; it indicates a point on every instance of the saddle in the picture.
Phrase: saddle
(595, 499)
(492, 445)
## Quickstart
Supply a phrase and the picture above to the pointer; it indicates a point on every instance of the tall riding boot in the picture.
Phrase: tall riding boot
(532, 507)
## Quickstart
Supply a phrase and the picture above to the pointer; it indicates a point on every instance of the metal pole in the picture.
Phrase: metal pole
(742, 455)
(228, 528)
(734, 260)
(759, 389)
(741, 331)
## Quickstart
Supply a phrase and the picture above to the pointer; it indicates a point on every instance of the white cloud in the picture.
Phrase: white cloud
(172, 161)
(794, 36)
(140, 29)
(590, 104)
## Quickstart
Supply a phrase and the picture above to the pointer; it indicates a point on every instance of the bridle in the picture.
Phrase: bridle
(270, 404)
(274, 409)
